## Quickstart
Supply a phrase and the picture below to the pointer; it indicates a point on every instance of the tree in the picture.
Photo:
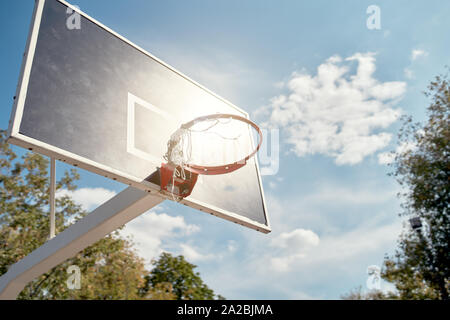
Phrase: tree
(358, 294)
(179, 276)
(420, 268)
(160, 291)
(110, 268)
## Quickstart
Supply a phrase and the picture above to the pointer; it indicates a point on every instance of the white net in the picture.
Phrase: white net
(207, 144)
(211, 142)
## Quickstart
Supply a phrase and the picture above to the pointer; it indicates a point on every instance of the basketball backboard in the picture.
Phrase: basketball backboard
(91, 98)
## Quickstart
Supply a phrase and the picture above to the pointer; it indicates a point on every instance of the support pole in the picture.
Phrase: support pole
(111, 215)
(52, 197)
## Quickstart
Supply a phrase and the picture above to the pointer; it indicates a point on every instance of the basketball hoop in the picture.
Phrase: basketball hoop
(179, 174)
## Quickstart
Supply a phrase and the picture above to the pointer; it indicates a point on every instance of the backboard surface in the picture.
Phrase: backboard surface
(91, 98)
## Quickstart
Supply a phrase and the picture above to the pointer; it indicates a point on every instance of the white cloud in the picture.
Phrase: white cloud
(343, 195)
(294, 245)
(284, 263)
(388, 157)
(362, 240)
(231, 247)
(417, 53)
(192, 254)
(337, 114)
(275, 182)
(408, 73)
(298, 239)
(152, 232)
(331, 250)
(88, 198)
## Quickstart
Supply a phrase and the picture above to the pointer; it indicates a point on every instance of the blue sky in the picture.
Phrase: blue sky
(333, 209)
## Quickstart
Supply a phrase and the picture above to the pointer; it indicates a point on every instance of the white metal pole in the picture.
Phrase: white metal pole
(52, 197)
(111, 215)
